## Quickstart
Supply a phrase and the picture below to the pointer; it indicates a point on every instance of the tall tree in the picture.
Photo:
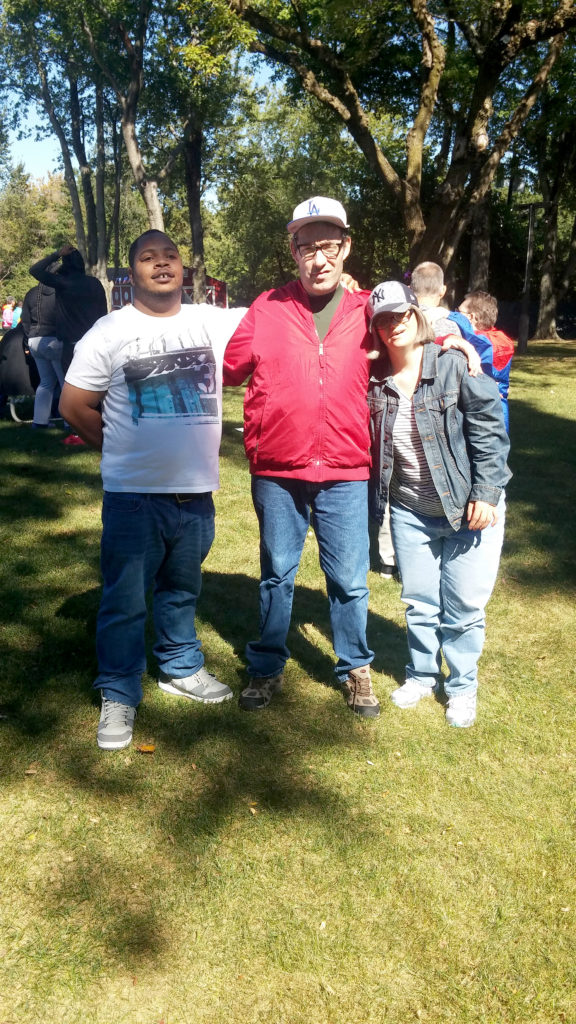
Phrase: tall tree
(550, 146)
(45, 65)
(445, 63)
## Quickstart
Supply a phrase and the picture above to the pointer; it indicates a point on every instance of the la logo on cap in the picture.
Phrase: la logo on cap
(318, 208)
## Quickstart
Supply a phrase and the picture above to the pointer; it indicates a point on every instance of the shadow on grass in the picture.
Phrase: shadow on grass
(240, 760)
(39, 474)
(229, 604)
(541, 498)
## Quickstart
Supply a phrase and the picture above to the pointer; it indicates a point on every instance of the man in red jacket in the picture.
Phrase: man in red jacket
(305, 346)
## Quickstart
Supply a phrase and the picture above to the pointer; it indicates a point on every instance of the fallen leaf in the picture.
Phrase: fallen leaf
(327, 988)
(370, 762)
(194, 767)
(171, 840)
(31, 771)
(322, 925)
(253, 810)
(146, 748)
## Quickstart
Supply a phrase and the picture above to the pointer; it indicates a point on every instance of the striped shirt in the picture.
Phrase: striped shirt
(411, 482)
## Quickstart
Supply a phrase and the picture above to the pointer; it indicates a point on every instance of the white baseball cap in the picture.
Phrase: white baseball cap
(315, 209)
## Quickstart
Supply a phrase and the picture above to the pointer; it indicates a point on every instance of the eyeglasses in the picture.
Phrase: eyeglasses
(387, 319)
(331, 250)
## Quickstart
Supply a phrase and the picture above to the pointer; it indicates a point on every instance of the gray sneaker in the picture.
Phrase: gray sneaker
(259, 692)
(201, 686)
(116, 725)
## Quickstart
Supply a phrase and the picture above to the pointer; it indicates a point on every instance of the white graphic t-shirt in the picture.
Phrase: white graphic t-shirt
(162, 412)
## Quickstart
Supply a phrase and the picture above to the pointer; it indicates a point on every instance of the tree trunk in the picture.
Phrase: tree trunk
(113, 237)
(193, 173)
(480, 248)
(101, 230)
(148, 189)
(69, 176)
(85, 174)
(546, 325)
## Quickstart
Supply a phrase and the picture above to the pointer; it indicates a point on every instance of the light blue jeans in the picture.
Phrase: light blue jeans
(340, 521)
(447, 580)
(150, 539)
(47, 353)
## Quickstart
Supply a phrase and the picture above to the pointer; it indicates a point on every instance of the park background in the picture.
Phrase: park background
(446, 128)
(301, 865)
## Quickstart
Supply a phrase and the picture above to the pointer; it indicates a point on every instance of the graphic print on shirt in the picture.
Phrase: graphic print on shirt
(171, 376)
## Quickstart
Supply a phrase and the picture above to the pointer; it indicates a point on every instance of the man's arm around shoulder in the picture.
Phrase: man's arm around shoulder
(81, 409)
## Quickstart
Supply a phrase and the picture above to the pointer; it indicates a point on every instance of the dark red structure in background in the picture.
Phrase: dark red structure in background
(216, 291)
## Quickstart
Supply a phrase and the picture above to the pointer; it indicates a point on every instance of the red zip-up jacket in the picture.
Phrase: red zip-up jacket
(305, 409)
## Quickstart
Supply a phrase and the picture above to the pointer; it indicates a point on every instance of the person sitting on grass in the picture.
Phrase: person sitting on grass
(439, 449)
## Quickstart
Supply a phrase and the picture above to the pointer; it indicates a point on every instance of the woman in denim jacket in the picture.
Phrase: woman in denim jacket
(439, 448)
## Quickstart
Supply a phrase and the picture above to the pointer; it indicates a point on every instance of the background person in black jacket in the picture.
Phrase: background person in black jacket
(80, 299)
(39, 325)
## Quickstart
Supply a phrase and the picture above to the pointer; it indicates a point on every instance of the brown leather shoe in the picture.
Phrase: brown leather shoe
(359, 694)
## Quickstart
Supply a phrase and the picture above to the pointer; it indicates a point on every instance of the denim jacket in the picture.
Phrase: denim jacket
(461, 426)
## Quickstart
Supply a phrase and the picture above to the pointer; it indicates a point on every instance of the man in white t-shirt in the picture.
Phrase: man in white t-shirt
(145, 388)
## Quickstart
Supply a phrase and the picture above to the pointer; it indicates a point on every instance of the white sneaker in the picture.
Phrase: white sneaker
(461, 710)
(201, 686)
(408, 695)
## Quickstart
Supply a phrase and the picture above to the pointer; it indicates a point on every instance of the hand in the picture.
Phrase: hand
(480, 515)
(350, 283)
(66, 249)
(474, 363)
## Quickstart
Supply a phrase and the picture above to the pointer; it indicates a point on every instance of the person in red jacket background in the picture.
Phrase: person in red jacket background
(481, 308)
(306, 436)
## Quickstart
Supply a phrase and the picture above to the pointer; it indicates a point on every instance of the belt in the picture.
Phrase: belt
(182, 498)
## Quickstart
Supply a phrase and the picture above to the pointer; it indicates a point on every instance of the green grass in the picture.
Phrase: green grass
(297, 866)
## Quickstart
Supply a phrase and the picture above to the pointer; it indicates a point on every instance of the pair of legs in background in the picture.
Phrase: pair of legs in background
(447, 579)
(47, 353)
(160, 541)
(337, 511)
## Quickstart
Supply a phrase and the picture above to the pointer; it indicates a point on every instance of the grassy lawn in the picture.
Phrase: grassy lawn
(296, 866)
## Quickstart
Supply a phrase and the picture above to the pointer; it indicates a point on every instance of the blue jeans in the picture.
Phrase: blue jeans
(340, 522)
(47, 353)
(150, 539)
(447, 580)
